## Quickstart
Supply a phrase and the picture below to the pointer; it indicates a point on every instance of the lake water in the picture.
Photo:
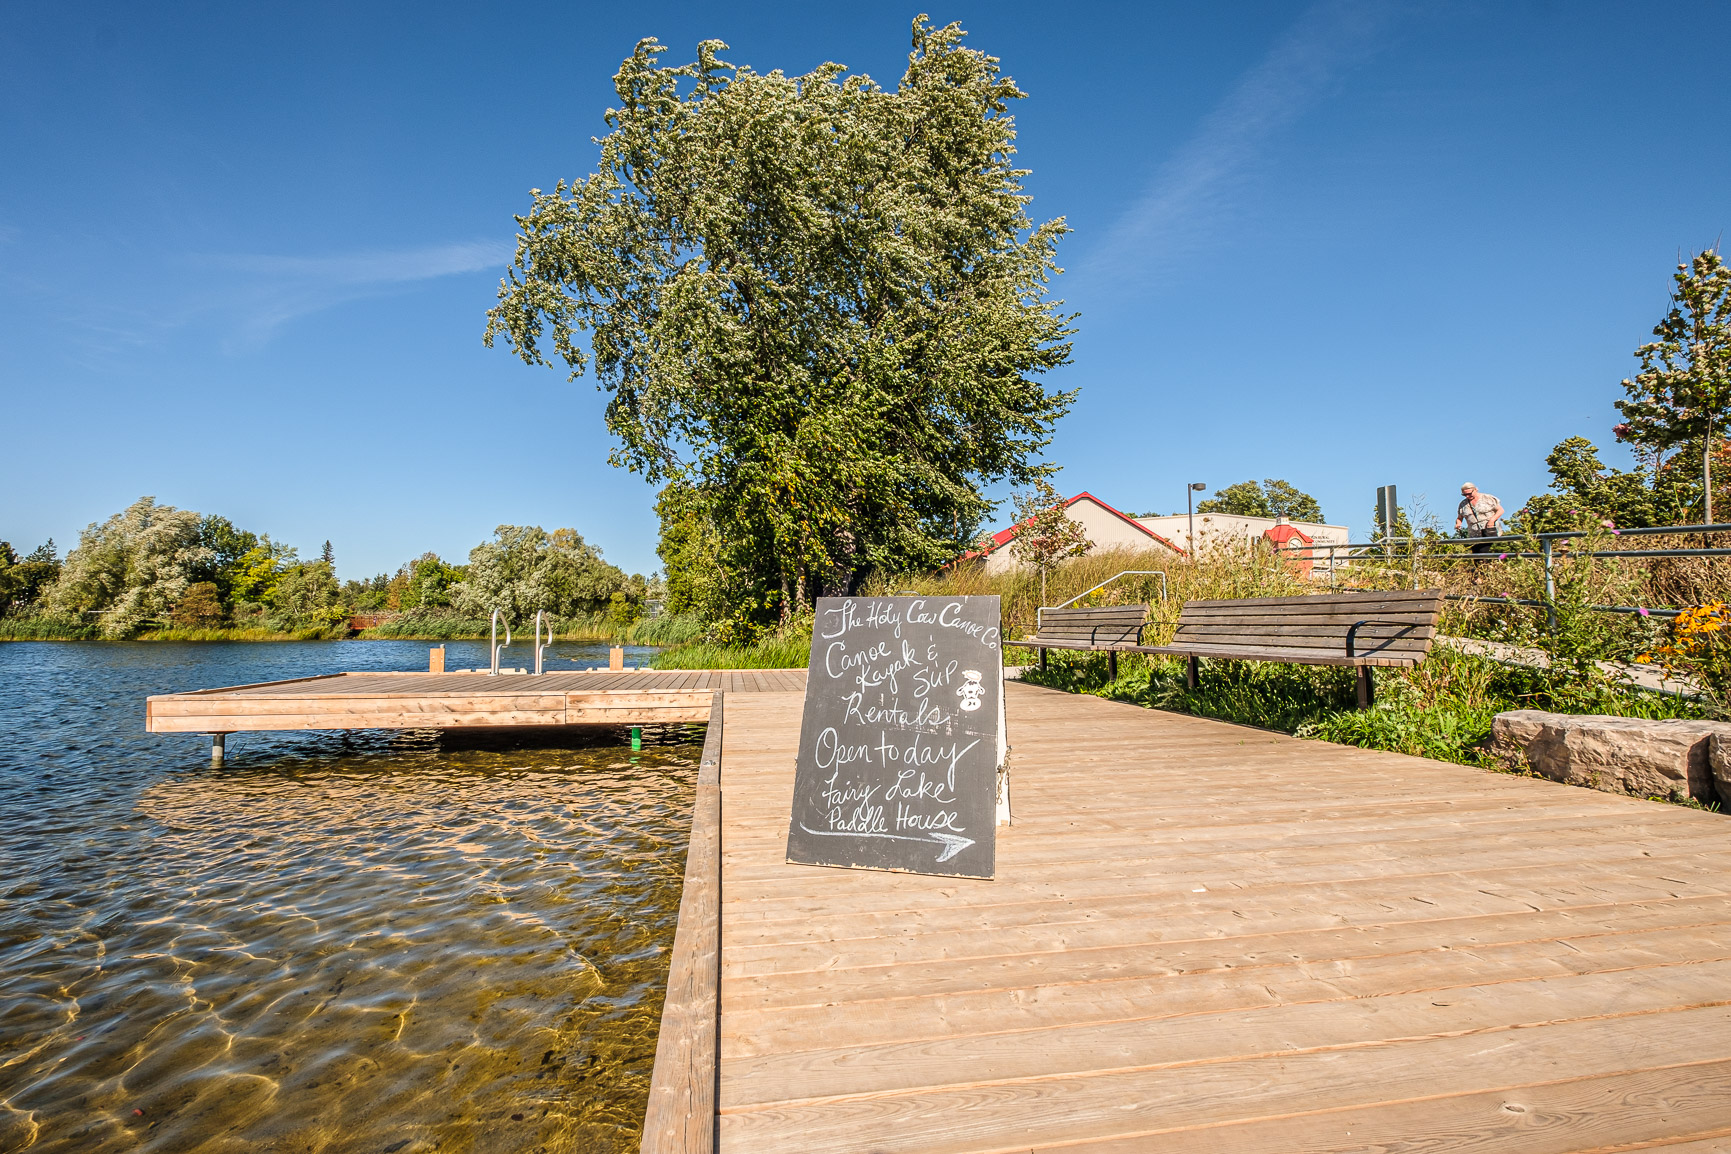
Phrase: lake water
(388, 943)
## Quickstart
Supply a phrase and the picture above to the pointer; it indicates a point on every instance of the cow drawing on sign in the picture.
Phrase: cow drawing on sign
(971, 690)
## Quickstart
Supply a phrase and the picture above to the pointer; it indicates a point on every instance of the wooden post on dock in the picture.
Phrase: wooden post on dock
(616, 659)
(436, 659)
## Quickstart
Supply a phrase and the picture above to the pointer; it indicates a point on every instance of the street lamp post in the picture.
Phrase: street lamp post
(1190, 512)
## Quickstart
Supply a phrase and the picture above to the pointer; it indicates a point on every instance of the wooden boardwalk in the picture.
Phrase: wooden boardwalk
(1204, 937)
(451, 700)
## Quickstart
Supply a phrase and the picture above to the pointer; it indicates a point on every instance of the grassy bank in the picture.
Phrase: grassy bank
(47, 628)
(253, 634)
(789, 652)
(1441, 709)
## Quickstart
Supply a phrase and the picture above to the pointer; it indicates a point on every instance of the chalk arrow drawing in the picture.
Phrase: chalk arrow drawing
(952, 843)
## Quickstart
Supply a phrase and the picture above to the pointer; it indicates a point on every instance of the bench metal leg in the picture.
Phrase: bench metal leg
(1042, 660)
(1191, 673)
(1366, 688)
(1112, 664)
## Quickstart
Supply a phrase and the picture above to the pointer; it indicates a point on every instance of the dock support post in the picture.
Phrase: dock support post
(216, 748)
(616, 659)
(436, 659)
(1366, 688)
(636, 738)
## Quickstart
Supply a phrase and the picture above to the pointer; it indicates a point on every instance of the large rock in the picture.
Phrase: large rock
(1719, 757)
(1619, 754)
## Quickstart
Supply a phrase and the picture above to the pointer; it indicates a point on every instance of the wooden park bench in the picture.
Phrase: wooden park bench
(1359, 629)
(1113, 628)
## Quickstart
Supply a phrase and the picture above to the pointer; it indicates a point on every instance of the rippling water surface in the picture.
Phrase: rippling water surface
(388, 943)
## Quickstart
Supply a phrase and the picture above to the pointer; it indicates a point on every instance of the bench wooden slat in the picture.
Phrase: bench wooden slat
(1332, 598)
(1375, 629)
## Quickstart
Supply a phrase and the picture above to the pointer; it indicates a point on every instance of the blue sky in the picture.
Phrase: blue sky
(245, 252)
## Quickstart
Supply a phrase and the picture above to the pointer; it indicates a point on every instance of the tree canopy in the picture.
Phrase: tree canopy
(1683, 392)
(1584, 492)
(819, 306)
(1272, 498)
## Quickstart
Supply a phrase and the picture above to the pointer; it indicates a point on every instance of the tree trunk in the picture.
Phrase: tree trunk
(1707, 471)
(784, 600)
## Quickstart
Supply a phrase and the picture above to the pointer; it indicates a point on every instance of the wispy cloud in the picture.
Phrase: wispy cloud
(262, 292)
(1192, 190)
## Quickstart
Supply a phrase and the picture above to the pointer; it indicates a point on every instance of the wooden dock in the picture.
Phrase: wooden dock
(1204, 937)
(450, 700)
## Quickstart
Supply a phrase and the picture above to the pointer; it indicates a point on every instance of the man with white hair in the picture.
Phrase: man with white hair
(1478, 515)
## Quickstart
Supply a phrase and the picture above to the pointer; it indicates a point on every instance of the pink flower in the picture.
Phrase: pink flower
(1642, 612)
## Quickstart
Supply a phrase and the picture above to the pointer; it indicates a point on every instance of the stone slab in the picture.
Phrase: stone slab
(1630, 755)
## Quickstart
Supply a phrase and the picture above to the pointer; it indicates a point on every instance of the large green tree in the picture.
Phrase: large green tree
(1272, 498)
(819, 305)
(1683, 392)
(1585, 492)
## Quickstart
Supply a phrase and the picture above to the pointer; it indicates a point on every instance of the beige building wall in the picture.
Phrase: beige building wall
(1105, 528)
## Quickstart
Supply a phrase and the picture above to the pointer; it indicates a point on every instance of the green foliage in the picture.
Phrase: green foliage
(780, 651)
(307, 595)
(525, 568)
(667, 629)
(24, 581)
(1683, 391)
(1441, 709)
(423, 583)
(48, 627)
(1045, 535)
(1585, 494)
(690, 548)
(133, 567)
(199, 607)
(818, 303)
(1272, 498)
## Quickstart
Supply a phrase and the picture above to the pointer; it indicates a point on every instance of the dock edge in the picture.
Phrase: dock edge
(684, 1089)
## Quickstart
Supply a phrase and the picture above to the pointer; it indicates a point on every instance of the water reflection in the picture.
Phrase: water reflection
(386, 944)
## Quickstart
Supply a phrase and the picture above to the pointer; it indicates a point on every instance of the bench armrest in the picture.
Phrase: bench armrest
(1352, 632)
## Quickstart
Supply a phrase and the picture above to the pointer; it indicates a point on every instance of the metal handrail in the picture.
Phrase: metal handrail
(493, 641)
(540, 648)
(1161, 573)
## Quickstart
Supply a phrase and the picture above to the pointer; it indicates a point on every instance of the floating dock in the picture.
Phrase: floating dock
(452, 700)
(1202, 936)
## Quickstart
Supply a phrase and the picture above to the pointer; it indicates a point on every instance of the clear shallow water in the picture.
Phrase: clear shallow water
(387, 943)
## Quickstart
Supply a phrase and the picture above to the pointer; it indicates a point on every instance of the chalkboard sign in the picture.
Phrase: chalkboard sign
(902, 736)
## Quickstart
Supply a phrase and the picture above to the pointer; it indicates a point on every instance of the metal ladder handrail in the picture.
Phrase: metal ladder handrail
(493, 641)
(1161, 573)
(540, 648)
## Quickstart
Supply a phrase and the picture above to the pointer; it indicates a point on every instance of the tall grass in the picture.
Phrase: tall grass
(312, 633)
(47, 627)
(791, 651)
(666, 629)
(1221, 572)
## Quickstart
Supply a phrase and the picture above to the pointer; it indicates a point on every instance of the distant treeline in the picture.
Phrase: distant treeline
(157, 570)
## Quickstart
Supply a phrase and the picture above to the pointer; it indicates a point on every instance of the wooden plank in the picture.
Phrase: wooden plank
(1111, 1102)
(1603, 1114)
(681, 1117)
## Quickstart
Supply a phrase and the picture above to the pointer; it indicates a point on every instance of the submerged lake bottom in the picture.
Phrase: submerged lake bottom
(395, 942)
